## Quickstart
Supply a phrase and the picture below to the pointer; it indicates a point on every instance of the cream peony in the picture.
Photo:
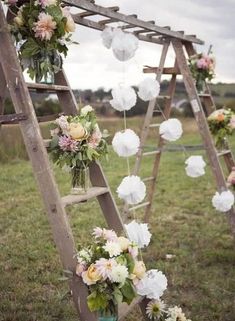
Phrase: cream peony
(171, 129)
(139, 269)
(132, 190)
(148, 89)
(224, 201)
(195, 166)
(77, 131)
(124, 98)
(152, 285)
(126, 143)
(124, 243)
(113, 248)
(119, 274)
(91, 276)
(70, 24)
(124, 45)
(138, 233)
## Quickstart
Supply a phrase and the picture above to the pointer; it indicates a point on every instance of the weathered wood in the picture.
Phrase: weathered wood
(3, 89)
(37, 153)
(161, 142)
(83, 4)
(166, 70)
(47, 118)
(201, 120)
(66, 99)
(95, 25)
(46, 88)
(91, 193)
(89, 13)
(12, 118)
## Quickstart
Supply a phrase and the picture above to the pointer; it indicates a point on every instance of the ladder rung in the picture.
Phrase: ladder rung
(12, 118)
(138, 206)
(154, 152)
(154, 125)
(47, 118)
(46, 142)
(163, 97)
(91, 193)
(147, 179)
(157, 111)
(45, 87)
(223, 153)
(204, 95)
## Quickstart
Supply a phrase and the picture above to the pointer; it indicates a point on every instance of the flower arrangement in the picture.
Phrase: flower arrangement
(222, 124)
(202, 67)
(42, 30)
(76, 142)
(112, 269)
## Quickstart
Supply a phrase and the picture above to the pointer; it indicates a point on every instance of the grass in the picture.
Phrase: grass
(201, 274)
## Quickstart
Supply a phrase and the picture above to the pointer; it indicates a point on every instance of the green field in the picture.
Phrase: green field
(201, 274)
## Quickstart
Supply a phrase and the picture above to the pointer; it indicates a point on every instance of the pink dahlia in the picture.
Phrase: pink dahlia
(202, 63)
(44, 27)
(95, 138)
(67, 144)
(104, 267)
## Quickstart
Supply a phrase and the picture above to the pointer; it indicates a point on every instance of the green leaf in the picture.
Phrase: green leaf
(130, 262)
(97, 301)
(30, 48)
(54, 142)
(128, 292)
(118, 295)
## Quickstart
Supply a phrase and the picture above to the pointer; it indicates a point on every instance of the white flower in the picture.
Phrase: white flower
(124, 98)
(119, 274)
(62, 122)
(113, 248)
(107, 37)
(124, 243)
(138, 233)
(126, 143)
(132, 190)
(86, 109)
(124, 45)
(224, 201)
(148, 89)
(171, 129)
(195, 166)
(155, 309)
(152, 285)
(176, 314)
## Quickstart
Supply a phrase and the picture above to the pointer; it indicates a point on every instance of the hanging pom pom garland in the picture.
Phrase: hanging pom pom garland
(138, 233)
(107, 37)
(124, 98)
(224, 201)
(195, 166)
(124, 45)
(126, 143)
(132, 190)
(171, 129)
(148, 89)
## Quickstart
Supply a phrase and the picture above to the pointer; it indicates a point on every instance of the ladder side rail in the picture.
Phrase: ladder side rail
(202, 123)
(66, 99)
(3, 89)
(149, 114)
(161, 142)
(22, 102)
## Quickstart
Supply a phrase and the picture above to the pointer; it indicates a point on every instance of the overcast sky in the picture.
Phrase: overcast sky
(90, 65)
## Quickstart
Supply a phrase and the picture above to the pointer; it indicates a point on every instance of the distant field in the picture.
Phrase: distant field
(201, 275)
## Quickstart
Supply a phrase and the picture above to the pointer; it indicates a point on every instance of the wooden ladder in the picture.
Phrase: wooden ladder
(202, 106)
(11, 78)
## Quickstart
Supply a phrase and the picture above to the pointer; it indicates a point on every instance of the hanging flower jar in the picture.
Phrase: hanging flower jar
(76, 142)
(42, 30)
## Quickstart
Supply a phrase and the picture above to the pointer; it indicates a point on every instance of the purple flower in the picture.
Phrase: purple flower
(68, 144)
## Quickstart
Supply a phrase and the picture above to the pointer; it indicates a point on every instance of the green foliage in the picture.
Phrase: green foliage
(128, 292)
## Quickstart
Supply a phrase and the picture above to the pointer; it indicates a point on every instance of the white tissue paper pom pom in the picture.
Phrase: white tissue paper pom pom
(195, 166)
(124, 98)
(148, 89)
(107, 37)
(171, 129)
(124, 45)
(224, 201)
(138, 233)
(152, 285)
(126, 143)
(132, 190)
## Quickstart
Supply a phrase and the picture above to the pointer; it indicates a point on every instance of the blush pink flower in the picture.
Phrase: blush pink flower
(44, 27)
(232, 122)
(80, 268)
(104, 267)
(108, 235)
(95, 138)
(47, 3)
(202, 63)
(68, 144)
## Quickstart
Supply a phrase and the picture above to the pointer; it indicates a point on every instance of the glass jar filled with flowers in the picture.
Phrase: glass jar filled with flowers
(76, 142)
(202, 67)
(42, 30)
(222, 125)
